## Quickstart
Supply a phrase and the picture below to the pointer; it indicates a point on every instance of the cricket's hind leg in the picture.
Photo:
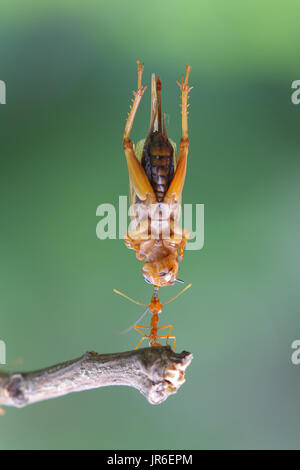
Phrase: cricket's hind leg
(135, 102)
(136, 172)
(176, 186)
(185, 89)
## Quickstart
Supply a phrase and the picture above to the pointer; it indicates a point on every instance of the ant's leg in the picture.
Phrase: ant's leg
(167, 337)
(136, 327)
(166, 326)
(139, 343)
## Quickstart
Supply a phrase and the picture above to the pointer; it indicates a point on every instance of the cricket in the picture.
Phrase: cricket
(157, 175)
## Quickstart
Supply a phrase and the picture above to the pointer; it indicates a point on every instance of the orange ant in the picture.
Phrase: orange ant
(155, 308)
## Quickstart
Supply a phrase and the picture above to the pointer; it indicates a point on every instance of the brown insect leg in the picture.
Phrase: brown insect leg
(184, 87)
(140, 74)
(134, 107)
(136, 172)
(182, 244)
(176, 186)
(131, 243)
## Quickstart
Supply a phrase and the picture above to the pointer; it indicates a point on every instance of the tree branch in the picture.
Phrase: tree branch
(156, 372)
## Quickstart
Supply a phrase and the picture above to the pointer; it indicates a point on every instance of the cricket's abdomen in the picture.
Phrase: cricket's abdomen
(158, 163)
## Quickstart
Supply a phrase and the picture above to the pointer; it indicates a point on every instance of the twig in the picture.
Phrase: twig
(155, 372)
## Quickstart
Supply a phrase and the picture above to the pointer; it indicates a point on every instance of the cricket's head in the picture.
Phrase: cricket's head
(161, 273)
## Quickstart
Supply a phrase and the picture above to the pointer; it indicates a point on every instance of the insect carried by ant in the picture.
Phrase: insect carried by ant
(155, 308)
(157, 177)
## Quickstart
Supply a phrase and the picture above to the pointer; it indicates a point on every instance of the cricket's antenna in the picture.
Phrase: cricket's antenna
(129, 298)
(175, 297)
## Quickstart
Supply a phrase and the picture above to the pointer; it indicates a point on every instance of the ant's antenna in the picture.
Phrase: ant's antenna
(129, 298)
(175, 297)
(135, 302)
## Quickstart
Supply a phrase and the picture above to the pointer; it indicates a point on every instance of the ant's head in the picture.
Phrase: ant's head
(155, 306)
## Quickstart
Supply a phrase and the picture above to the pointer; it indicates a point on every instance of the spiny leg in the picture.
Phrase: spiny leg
(185, 89)
(137, 174)
(135, 102)
(140, 74)
(176, 186)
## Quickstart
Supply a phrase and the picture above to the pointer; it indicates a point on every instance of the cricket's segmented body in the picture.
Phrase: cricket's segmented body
(156, 181)
(158, 163)
(158, 157)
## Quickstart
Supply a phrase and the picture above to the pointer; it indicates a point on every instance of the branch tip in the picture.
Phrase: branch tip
(156, 372)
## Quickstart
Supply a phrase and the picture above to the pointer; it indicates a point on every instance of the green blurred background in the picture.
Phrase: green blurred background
(70, 70)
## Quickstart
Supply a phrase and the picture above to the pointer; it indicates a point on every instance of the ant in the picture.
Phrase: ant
(155, 308)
